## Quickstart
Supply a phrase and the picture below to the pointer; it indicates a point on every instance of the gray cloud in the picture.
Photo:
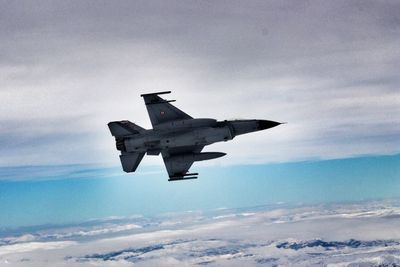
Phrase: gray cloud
(329, 69)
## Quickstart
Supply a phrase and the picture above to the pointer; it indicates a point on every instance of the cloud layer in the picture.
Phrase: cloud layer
(353, 234)
(329, 69)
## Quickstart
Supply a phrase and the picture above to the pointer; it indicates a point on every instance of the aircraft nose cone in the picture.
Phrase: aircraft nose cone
(265, 124)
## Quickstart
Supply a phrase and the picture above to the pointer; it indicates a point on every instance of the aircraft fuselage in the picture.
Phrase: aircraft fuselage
(191, 132)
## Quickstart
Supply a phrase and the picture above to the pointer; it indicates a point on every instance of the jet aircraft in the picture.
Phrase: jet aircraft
(177, 136)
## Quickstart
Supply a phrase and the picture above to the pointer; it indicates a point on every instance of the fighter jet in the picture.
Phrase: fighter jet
(177, 136)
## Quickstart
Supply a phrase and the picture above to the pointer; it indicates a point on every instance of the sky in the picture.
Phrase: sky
(328, 69)
(74, 194)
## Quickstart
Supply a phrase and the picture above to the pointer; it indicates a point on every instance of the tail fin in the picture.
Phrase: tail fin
(123, 128)
(130, 161)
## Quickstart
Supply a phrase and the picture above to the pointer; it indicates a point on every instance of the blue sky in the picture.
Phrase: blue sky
(329, 69)
(81, 193)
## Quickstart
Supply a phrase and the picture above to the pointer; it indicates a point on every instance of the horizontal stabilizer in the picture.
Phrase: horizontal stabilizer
(131, 161)
(123, 128)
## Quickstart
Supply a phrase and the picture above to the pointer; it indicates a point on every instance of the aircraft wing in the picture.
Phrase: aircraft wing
(179, 160)
(160, 110)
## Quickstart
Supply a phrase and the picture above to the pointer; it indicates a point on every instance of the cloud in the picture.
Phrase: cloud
(32, 246)
(336, 234)
(329, 69)
(64, 171)
(54, 172)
